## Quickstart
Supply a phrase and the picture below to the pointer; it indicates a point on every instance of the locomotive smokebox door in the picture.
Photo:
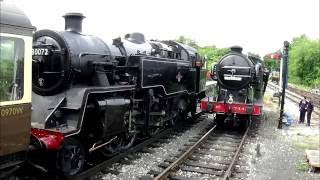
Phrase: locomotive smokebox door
(234, 71)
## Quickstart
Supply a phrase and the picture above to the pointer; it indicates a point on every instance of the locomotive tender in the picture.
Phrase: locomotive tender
(91, 95)
(239, 92)
(15, 87)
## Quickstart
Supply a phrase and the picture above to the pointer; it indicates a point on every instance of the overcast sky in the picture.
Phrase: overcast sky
(258, 26)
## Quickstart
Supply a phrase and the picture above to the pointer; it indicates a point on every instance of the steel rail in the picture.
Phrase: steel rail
(235, 157)
(164, 174)
(103, 165)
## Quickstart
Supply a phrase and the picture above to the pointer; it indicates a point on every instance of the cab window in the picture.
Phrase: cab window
(11, 68)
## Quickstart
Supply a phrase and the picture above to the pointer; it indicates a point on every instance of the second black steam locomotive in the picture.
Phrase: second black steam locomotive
(238, 94)
(89, 94)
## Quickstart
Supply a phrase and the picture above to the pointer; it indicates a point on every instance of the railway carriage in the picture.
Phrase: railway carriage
(15, 87)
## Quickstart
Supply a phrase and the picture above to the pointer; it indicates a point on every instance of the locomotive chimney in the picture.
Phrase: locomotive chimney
(73, 22)
(237, 49)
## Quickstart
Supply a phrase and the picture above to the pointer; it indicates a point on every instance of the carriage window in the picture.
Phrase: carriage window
(11, 68)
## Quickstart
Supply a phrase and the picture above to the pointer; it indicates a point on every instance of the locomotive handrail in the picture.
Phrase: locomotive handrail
(98, 54)
(236, 67)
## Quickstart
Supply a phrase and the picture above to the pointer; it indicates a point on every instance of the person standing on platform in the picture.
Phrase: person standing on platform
(309, 111)
(266, 74)
(303, 109)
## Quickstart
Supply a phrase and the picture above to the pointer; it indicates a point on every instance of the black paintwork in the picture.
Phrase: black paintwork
(73, 55)
(172, 76)
(236, 65)
(247, 67)
(98, 91)
(73, 105)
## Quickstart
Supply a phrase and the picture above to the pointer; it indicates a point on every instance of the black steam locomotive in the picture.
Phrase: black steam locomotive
(238, 94)
(91, 95)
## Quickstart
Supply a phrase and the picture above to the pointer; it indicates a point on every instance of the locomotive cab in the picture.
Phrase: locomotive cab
(15, 87)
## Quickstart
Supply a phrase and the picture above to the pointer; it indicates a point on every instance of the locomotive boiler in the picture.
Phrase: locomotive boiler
(93, 95)
(238, 94)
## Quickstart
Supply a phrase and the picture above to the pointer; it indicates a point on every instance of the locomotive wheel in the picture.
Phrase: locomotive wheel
(246, 122)
(128, 140)
(71, 157)
(154, 128)
(153, 131)
(130, 136)
(220, 120)
(175, 119)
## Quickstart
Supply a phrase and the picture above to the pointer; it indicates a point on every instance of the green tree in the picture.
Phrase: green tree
(6, 68)
(213, 54)
(188, 41)
(304, 61)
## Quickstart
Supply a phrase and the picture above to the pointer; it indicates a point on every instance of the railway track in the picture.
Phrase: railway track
(212, 155)
(161, 137)
(291, 95)
(103, 165)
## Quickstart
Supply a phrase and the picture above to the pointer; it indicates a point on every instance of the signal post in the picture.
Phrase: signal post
(284, 73)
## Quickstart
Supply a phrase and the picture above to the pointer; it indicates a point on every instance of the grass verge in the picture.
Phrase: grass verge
(307, 142)
(303, 166)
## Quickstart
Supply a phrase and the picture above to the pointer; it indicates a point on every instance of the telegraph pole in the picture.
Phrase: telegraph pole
(284, 79)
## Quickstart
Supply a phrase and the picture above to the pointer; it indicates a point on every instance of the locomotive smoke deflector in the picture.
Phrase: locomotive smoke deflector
(73, 22)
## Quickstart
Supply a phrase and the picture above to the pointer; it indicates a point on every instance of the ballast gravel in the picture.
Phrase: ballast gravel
(271, 153)
(150, 161)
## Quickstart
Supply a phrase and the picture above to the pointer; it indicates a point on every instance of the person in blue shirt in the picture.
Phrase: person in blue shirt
(289, 119)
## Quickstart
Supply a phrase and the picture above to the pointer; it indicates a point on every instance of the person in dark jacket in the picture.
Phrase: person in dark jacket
(309, 111)
(266, 74)
(303, 109)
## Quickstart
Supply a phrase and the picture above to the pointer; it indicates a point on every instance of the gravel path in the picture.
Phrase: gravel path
(272, 153)
(150, 161)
